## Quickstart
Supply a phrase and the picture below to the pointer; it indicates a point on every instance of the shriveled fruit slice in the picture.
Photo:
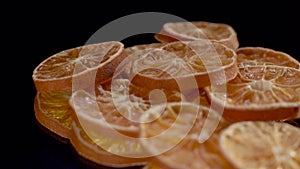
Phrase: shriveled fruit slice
(262, 92)
(53, 111)
(252, 56)
(198, 30)
(111, 119)
(184, 66)
(121, 109)
(57, 71)
(258, 144)
(88, 149)
(175, 136)
(135, 53)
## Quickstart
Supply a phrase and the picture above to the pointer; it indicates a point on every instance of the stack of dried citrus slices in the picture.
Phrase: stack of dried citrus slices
(194, 99)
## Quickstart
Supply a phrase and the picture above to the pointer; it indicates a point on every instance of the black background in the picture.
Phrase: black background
(37, 31)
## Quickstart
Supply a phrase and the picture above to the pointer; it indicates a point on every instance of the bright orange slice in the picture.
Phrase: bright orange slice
(176, 134)
(198, 30)
(57, 71)
(262, 92)
(261, 145)
(183, 66)
(251, 56)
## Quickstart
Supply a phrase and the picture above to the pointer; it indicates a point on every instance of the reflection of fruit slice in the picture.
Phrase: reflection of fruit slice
(198, 30)
(88, 149)
(184, 66)
(110, 119)
(176, 136)
(261, 145)
(82, 63)
(251, 56)
(53, 111)
(261, 93)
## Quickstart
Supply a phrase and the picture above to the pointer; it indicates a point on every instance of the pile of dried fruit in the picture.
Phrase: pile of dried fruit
(194, 99)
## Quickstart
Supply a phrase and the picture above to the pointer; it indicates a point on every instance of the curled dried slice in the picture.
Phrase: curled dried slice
(57, 72)
(258, 144)
(198, 30)
(252, 56)
(177, 136)
(111, 118)
(121, 109)
(262, 92)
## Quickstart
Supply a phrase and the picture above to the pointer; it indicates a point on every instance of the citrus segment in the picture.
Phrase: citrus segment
(261, 145)
(198, 30)
(251, 56)
(57, 71)
(261, 93)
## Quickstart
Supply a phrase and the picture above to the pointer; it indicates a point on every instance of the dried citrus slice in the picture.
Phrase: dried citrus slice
(186, 31)
(261, 145)
(88, 149)
(121, 109)
(53, 111)
(111, 119)
(263, 92)
(179, 65)
(57, 71)
(175, 136)
(249, 56)
(137, 52)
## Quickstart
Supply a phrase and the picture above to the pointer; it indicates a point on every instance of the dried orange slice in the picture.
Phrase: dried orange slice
(183, 66)
(261, 145)
(57, 72)
(53, 111)
(121, 109)
(197, 30)
(263, 92)
(111, 119)
(249, 56)
(88, 149)
(175, 136)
